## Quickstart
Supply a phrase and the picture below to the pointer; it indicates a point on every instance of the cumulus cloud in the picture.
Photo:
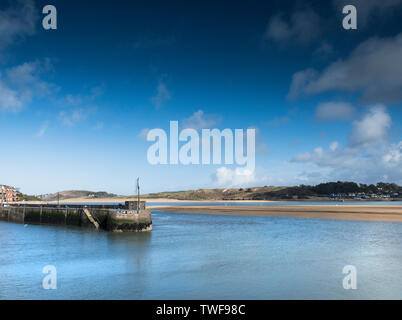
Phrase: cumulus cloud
(234, 177)
(325, 49)
(334, 145)
(300, 80)
(333, 157)
(69, 119)
(334, 111)
(162, 95)
(301, 27)
(367, 157)
(9, 99)
(16, 21)
(372, 128)
(200, 120)
(358, 164)
(20, 84)
(77, 100)
(78, 107)
(26, 78)
(372, 69)
(393, 157)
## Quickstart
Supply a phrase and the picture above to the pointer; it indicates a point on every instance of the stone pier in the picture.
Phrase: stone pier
(109, 218)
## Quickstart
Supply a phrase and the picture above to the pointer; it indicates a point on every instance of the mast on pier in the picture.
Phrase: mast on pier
(138, 194)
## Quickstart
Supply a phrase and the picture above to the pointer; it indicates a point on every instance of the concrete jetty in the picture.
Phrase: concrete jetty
(117, 218)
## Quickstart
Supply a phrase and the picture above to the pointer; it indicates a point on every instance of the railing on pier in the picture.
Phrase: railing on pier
(70, 206)
(126, 205)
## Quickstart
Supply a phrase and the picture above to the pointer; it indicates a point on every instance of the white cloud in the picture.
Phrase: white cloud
(368, 157)
(334, 111)
(9, 99)
(234, 177)
(16, 21)
(76, 100)
(20, 84)
(199, 120)
(302, 27)
(393, 157)
(73, 100)
(325, 49)
(329, 158)
(26, 78)
(72, 117)
(77, 108)
(300, 81)
(42, 129)
(162, 95)
(373, 127)
(334, 145)
(372, 69)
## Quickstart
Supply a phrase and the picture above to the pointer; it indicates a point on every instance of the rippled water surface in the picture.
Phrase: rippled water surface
(190, 256)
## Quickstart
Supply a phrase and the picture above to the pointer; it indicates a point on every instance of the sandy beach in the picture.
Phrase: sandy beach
(152, 200)
(342, 212)
(386, 213)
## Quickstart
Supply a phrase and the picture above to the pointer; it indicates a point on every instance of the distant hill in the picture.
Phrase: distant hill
(323, 191)
(216, 194)
(72, 194)
(201, 194)
(26, 197)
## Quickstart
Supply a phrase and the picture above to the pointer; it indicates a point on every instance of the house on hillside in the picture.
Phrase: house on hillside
(8, 194)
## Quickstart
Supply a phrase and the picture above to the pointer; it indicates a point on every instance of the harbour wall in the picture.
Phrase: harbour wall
(108, 219)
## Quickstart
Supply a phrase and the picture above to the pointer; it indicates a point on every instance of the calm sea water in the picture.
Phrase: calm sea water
(189, 256)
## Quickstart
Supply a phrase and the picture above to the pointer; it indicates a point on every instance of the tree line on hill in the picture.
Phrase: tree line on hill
(334, 189)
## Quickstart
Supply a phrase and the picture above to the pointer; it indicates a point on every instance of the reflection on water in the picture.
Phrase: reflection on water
(204, 257)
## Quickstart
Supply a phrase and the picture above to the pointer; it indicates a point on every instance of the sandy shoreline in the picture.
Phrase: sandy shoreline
(344, 212)
(384, 213)
(169, 200)
(123, 199)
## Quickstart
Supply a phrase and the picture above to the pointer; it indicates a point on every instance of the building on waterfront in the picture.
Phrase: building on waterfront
(8, 194)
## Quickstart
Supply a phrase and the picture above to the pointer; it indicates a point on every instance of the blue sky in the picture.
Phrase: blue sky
(76, 102)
